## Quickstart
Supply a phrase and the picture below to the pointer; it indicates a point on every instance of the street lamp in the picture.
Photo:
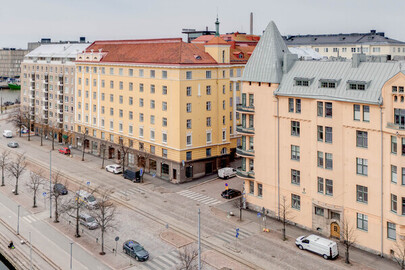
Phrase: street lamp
(18, 220)
(71, 254)
(199, 240)
(30, 253)
(50, 183)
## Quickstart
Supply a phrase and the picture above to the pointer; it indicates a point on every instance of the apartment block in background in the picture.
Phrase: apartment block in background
(171, 103)
(47, 86)
(10, 62)
(326, 140)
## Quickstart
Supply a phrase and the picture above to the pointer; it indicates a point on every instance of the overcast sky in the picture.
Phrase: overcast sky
(22, 21)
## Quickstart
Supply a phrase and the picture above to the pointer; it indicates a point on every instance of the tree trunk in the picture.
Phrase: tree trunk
(16, 186)
(347, 255)
(41, 137)
(56, 210)
(84, 146)
(77, 222)
(102, 164)
(102, 242)
(35, 200)
(53, 141)
(29, 128)
(2, 177)
(20, 129)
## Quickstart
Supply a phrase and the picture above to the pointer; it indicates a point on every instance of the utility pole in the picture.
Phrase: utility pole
(18, 219)
(50, 183)
(30, 253)
(71, 254)
(199, 240)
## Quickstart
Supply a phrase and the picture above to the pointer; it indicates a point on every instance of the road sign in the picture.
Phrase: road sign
(154, 175)
(44, 194)
(237, 235)
(117, 238)
(259, 215)
(226, 186)
(141, 171)
(88, 183)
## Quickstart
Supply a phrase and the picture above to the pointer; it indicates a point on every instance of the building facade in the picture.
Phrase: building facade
(172, 104)
(345, 45)
(10, 62)
(326, 141)
(48, 85)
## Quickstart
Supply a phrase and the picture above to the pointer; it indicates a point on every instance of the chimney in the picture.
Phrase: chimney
(251, 23)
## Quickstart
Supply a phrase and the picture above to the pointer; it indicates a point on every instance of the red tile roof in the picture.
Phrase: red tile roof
(152, 51)
(217, 41)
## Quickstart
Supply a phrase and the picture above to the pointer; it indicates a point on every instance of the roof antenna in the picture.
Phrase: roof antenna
(217, 25)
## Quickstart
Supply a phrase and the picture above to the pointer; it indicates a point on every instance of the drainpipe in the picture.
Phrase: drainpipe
(382, 184)
(278, 159)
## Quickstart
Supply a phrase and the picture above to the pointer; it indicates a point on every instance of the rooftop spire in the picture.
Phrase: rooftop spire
(265, 64)
(217, 27)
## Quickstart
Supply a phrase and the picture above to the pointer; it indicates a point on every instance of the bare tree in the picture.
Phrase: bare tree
(52, 129)
(67, 135)
(348, 236)
(399, 253)
(238, 203)
(19, 118)
(16, 169)
(285, 215)
(57, 193)
(188, 258)
(103, 148)
(105, 214)
(124, 154)
(41, 123)
(35, 181)
(3, 163)
(84, 133)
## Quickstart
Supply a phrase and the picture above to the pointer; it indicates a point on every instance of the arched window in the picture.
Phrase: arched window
(223, 151)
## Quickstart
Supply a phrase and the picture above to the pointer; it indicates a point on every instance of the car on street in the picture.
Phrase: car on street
(226, 173)
(8, 133)
(114, 168)
(328, 249)
(60, 189)
(87, 198)
(230, 193)
(135, 250)
(88, 221)
(65, 151)
(12, 144)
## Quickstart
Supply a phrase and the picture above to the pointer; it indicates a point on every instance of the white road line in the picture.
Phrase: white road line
(216, 203)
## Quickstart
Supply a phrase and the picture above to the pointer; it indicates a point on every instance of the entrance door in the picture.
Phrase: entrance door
(334, 230)
(208, 168)
(174, 174)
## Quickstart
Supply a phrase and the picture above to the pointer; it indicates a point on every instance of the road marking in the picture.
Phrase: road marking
(198, 197)
(164, 262)
(30, 218)
(230, 235)
(132, 191)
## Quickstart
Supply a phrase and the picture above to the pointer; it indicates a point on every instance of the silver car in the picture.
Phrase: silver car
(88, 221)
(13, 144)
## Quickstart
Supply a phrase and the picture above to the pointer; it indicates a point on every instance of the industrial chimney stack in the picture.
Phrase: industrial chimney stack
(251, 23)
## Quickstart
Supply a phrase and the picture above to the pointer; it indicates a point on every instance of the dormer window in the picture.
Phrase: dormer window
(328, 83)
(357, 85)
(240, 55)
(197, 57)
(302, 81)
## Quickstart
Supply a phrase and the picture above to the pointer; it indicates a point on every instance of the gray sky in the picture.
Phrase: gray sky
(22, 21)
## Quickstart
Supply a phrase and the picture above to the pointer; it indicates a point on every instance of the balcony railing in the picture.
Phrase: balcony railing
(244, 174)
(244, 108)
(395, 126)
(244, 152)
(45, 108)
(242, 129)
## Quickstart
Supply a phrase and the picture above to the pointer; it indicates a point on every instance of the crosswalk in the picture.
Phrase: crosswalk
(198, 197)
(132, 191)
(230, 235)
(30, 218)
(163, 262)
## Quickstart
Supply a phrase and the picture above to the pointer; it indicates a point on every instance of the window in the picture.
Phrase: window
(394, 203)
(164, 137)
(189, 140)
(320, 108)
(188, 91)
(121, 99)
(209, 137)
(111, 84)
(251, 100)
(295, 201)
(394, 145)
(391, 231)
(141, 117)
(131, 100)
(188, 107)
(120, 113)
(141, 102)
(295, 177)
(208, 152)
(102, 83)
(152, 74)
(295, 128)
(403, 146)
(152, 88)
(329, 187)
(362, 222)
(164, 90)
(319, 211)
(164, 153)
(403, 176)
(361, 139)
(362, 166)
(329, 161)
(189, 75)
(223, 134)
(260, 190)
(328, 135)
(208, 90)
(295, 152)
(208, 106)
(208, 74)
(251, 187)
(328, 109)
(208, 121)
(121, 85)
(152, 119)
(223, 104)
(298, 105)
(188, 124)
(152, 134)
(164, 74)
(188, 155)
(320, 159)
(403, 205)
(290, 105)
(141, 132)
(356, 112)
(141, 87)
(325, 84)
(130, 115)
(320, 185)
(130, 72)
(394, 175)
(361, 194)
(366, 113)
(111, 111)
(320, 133)
(152, 104)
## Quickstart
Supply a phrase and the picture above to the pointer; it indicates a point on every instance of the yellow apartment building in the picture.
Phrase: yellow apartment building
(329, 138)
(173, 104)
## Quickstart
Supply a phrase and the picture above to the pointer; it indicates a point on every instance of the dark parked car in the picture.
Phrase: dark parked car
(132, 175)
(135, 250)
(12, 144)
(60, 189)
(230, 193)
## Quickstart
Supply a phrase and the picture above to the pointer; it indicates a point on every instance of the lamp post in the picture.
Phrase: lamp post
(71, 254)
(50, 183)
(30, 252)
(18, 219)
(199, 240)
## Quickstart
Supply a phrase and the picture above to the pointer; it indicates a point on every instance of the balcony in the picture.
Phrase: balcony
(244, 108)
(60, 83)
(60, 120)
(45, 98)
(60, 93)
(245, 130)
(44, 81)
(32, 88)
(45, 116)
(32, 97)
(45, 89)
(45, 108)
(60, 102)
(60, 111)
(395, 126)
(246, 175)
(244, 152)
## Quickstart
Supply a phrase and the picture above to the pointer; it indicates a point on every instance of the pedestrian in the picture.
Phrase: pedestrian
(11, 245)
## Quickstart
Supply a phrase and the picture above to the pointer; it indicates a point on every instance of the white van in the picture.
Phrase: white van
(88, 199)
(328, 249)
(227, 172)
(8, 133)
